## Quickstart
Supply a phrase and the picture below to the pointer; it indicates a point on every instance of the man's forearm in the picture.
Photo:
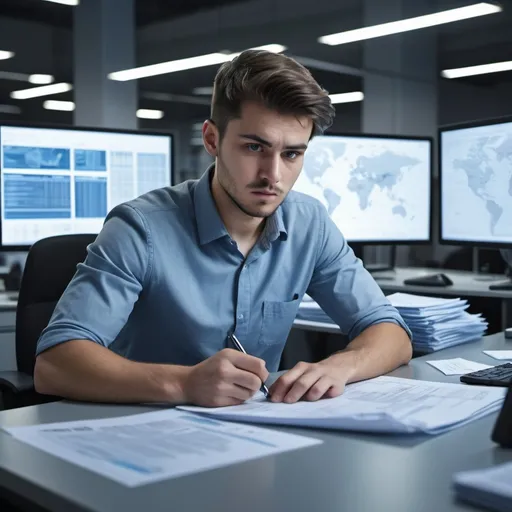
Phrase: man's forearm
(379, 349)
(84, 370)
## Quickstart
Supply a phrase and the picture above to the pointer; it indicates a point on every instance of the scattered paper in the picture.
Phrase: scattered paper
(384, 404)
(457, 366)
(502, 355)
(149, 447)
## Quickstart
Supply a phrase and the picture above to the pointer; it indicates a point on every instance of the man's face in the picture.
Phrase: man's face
(260, 158)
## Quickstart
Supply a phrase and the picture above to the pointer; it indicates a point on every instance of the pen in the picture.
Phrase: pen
(239, 347)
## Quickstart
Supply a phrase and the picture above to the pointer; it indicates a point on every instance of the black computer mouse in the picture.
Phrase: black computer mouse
(443, 278)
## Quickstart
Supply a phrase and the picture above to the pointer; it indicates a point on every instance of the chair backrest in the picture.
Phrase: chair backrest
(50, 266)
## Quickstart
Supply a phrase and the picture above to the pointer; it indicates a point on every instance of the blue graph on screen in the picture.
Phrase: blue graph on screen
(26, 157)
(29, 196)
(90, 197)
(90, 160)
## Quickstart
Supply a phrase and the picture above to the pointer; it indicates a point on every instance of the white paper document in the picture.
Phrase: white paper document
(491, 487)
(422, 302)
(502, 355)
(149, 447)
(383, 404)
(457, 366)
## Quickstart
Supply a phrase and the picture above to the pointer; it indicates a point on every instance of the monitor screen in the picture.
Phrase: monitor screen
(476, 184)
(376, 188)
(57, 181)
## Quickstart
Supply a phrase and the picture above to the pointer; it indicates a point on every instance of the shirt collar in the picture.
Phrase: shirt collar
(209, 224)
(274, 229)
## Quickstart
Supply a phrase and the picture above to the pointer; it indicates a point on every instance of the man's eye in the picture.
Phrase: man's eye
(292, 155)
(253, 147)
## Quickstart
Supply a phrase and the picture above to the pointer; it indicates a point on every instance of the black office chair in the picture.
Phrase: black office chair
(50, 266)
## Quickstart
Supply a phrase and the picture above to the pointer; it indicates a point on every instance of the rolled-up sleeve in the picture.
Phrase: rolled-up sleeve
(102, 294)
(344, 289)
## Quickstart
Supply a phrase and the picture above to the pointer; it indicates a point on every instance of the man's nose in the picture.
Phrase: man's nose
(271, 169)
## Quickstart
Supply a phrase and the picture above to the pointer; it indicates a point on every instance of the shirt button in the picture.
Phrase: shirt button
(240, 317)
(245, 267)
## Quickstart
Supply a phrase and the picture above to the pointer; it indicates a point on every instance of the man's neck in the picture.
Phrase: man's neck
(243, 228)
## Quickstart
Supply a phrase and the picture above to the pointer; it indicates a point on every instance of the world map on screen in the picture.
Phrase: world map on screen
(372, 188)
(477, 185)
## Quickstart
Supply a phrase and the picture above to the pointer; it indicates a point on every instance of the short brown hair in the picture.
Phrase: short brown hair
(275, 80)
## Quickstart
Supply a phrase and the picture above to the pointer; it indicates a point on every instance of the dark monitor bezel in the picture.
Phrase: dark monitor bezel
(463, 126)
(49, 126)
(388, 241)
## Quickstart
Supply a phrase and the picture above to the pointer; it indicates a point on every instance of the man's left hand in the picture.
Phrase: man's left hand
(310, 381)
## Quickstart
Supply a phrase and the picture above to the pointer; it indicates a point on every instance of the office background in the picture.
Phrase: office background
(400, 75)
(76, 46)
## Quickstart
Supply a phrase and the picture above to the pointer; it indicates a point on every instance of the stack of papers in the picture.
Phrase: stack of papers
(438, 323)
(385, 404)
(490, 488)
(309, 310)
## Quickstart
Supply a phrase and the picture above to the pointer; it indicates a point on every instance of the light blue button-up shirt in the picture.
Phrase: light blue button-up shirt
(165, 283)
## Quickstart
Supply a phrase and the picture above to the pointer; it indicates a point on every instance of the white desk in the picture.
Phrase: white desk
(468, 284)
(348, 472)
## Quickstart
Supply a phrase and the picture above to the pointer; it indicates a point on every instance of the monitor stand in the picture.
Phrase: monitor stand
(482, 276)
(377, 267)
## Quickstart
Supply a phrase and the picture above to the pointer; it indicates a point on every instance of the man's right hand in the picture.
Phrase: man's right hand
(227, 378)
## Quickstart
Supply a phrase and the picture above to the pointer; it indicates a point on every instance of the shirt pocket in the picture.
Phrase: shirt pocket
(277, 321)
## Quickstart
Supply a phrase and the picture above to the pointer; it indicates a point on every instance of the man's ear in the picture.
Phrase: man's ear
(211, 137)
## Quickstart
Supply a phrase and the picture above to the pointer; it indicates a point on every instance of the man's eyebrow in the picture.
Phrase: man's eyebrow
(257, 138)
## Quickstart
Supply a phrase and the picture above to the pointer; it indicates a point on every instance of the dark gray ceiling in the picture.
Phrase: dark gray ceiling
(470, 42)
(146, 11)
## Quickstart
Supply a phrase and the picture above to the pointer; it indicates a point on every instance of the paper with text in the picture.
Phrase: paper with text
(457, 366)
(149, 447)
(383, 404)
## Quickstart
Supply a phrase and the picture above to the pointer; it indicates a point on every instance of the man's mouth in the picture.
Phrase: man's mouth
(264, 193)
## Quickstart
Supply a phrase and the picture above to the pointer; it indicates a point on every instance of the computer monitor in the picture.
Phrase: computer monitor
(376, 188)
(61, 180)
(475, 179)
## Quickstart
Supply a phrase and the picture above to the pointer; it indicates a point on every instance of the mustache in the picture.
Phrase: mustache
(264, 186)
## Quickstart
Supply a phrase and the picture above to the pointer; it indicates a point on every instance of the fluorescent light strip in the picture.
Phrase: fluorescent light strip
(396, 27)
(10, 109)
(65, 106)
(65, 2)
(24, 77)
(346, 97)
(173, 66)
(206, 91)
(36, 92)
(482, 69)
(40, 79)
(69, 106)
(145, 113)
(4, 55)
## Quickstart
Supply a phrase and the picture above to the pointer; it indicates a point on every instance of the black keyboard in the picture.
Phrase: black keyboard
(500, 375)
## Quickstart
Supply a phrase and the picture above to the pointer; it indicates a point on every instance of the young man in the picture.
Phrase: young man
(174, 272)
